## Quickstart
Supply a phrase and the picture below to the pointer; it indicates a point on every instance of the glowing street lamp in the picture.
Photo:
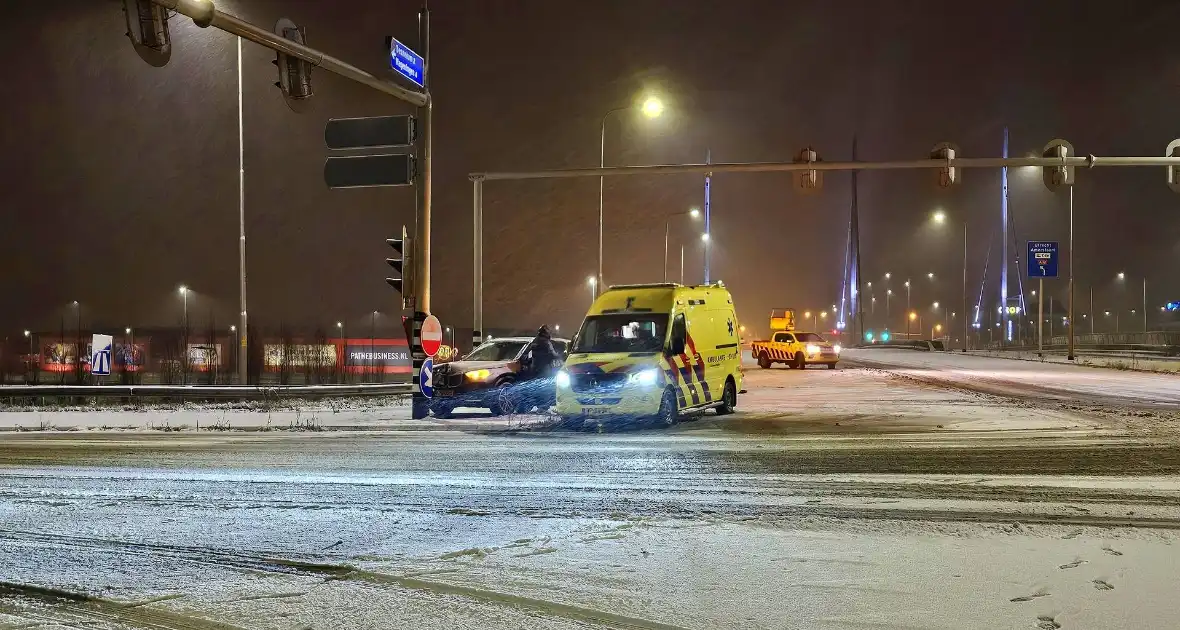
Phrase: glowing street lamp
(652, 107)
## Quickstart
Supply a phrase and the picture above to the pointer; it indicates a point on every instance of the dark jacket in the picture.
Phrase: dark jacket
(544, 358)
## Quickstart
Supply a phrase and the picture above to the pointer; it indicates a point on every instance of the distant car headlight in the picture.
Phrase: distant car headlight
(836, 348)
(644, 378)
(478, 375)
(562, 379)
(812, 348)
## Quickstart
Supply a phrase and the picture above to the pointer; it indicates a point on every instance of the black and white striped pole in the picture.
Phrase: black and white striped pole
(420, 405)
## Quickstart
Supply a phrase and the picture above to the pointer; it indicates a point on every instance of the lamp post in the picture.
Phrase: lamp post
(184, 333)
(909, 320)
(29, 336)
(592, 282)
(343, 352)
(652, 108)
(940, 218)
(694, 213)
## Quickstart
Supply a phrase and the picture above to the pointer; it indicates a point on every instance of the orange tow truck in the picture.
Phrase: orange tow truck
(795, 348)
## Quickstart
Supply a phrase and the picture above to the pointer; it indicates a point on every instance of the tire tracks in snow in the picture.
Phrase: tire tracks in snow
(1008, 391)
(265, 563)
(69, 607)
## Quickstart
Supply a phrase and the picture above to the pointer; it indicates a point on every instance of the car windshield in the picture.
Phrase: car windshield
(496, 351)
(622, 333)
(808, 337)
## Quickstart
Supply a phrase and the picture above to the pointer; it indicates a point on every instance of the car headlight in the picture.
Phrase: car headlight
(812, 348)
(644, 378)
(562, 379)
(836, 348)
(478, 375)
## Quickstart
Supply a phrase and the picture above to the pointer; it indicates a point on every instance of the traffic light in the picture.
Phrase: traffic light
(147, 27)
(401, 247)
(811, 180)
(294, 73)
(1058, 176)
(885, 336)
(948, 175)
(1173, 171)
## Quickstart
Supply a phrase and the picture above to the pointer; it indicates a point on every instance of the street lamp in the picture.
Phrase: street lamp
(184, 351)
(592, 281)
(939, 216)
(930, 275)
(693, 213)
(909, 321)
(652, 107)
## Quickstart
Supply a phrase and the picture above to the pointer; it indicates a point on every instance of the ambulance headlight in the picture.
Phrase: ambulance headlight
(644, 378)
(836, 348)
(812, 348)
(562, 379)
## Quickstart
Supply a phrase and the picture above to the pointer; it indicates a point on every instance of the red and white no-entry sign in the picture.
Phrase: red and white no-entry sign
(432, 335)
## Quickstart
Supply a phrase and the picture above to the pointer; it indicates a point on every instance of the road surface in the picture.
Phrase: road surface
(882, 497)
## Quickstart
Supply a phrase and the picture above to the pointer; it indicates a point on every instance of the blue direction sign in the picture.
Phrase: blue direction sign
(406, 62)
(1042, 259)
(426, 378)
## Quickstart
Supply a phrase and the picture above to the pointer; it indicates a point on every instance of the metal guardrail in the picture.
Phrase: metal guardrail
(204, 391)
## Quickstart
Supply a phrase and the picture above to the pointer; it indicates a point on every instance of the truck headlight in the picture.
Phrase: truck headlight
(562, 379)
(644, 378)
(812, 348)
(836, 348)
(478, 375)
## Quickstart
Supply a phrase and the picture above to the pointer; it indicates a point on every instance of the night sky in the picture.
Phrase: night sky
(121, 178)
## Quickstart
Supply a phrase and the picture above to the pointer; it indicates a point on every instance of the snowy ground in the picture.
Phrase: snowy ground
(854, 498)
(1115, 360)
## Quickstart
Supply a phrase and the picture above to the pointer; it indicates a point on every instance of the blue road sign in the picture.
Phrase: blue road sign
(426, 378)
(406, 62)
(100, 358)
(1042, 259)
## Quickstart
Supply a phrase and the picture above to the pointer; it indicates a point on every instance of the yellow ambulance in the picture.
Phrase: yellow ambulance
(653, 351)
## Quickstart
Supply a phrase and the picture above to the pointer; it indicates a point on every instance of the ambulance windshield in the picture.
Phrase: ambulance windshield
(622, 333)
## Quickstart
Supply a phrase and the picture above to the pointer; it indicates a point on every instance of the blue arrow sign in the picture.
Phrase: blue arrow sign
(406, 62)
(426, 378)
(1042, 259)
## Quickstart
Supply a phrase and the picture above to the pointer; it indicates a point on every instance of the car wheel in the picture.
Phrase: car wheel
(668, 414)
(764, 361)
(800, 363)
(728, 399)
(501, 404)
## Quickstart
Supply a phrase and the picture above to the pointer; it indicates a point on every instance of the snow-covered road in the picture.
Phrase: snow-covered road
(851, 498)
(1028, 379)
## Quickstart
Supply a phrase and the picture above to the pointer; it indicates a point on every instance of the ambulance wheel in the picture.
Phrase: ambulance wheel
(800, 363)
(764, 361)
(668, 414)
(728, 398)
(442, 410)
(831, 366)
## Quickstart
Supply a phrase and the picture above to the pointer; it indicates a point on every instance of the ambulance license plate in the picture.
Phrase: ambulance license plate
(596, 411)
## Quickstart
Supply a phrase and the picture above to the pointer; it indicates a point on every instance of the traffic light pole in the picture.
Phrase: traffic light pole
(478, 179)
(205, 14)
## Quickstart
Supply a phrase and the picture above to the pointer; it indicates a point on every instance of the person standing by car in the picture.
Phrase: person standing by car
(543, 357)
